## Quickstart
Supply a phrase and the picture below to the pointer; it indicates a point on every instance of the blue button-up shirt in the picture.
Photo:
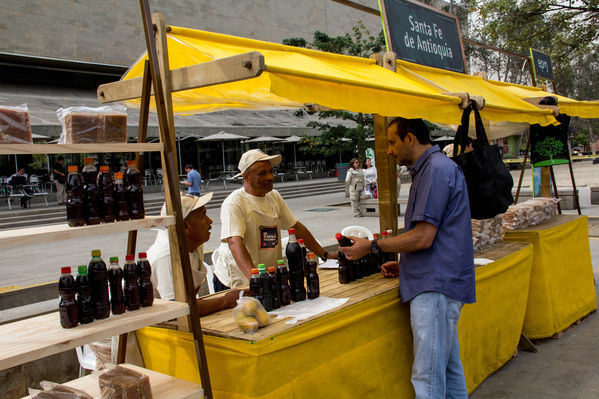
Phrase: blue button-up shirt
(195, 179)
(439, 196)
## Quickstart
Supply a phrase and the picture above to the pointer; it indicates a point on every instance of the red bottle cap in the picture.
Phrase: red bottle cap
(375, 235)
(300, 241)
(310, 255)
(65, 270)
(272, 269)
(254, 271)
(338, 236)
(130, 257)
(118, 175)
(88, 161)
(104, 168)
(291, 231)
(131, 163)
(72, 168)
(142, 255)
(384, 234)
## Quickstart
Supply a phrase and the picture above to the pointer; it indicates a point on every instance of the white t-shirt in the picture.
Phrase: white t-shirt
(369, 174)
(159, 256)
(259, 221)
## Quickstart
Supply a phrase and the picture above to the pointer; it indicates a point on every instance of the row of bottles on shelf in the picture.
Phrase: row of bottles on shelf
(85, 298)
(93, 197)
(279, 286)
(352, 270)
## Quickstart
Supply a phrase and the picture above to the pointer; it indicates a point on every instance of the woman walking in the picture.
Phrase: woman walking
(370, 177)
(354, 183)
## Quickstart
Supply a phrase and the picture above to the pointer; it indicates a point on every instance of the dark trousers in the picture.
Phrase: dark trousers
(218, 286)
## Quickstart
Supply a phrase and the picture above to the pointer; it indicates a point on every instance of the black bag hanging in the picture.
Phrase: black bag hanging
(488, 179)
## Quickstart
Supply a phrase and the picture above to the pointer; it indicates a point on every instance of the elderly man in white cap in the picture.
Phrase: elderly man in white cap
(252, 218)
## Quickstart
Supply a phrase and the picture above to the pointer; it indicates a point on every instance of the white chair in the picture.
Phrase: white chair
(87, 359)
(215, 256)
(357, 231)
(209, 277)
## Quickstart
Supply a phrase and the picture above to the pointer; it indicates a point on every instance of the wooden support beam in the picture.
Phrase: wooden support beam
(225, 70)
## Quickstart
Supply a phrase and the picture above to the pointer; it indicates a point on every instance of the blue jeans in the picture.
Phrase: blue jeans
(437, 370)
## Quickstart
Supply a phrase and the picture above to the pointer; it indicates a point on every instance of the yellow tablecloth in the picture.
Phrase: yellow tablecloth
(362, 351)
(562, 288)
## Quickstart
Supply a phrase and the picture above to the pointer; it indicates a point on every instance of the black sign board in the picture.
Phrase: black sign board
(423, 35)
(542, 64)
(549, 144)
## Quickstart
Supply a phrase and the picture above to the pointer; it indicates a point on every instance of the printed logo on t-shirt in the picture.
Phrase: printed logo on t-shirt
(269, 236)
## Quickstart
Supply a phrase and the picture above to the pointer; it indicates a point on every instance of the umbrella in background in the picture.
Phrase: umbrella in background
(222, 136)
(443, 138)
(263, 139)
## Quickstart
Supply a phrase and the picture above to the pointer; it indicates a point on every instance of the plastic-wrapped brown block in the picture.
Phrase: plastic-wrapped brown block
(124, 383)
(15, 127)
(115, 128)
(62, 392)
(83, 128)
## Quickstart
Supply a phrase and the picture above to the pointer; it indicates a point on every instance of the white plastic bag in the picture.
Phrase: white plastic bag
(106, 124)
(15, 125)
(249, 314)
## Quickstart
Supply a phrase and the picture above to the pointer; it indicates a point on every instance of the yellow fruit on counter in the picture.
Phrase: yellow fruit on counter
(249, 308)
(262, 317)
(247, 324)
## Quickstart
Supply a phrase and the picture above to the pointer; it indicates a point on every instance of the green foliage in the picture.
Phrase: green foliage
(581, 138)
(549, 147)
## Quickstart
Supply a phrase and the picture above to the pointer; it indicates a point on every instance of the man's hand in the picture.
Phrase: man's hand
(231, 297)
(332, 255)
(360, 248)
(390, 269)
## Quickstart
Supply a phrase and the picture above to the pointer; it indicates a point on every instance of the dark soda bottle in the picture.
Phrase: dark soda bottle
(115, 278)
(85, 304)
(135, 195)
(120, 198)
(75, 214)
(106, 192)
(345, 267)
(266, 283)
(312, 280)
(91, 193)
(377, 260)
(300, 241)
(256, 285)
(67, 307)
(98, 275)
(390, 256)
(276, 292)
(132, 298)
(283, 283)
(293, 251)
(144, 272)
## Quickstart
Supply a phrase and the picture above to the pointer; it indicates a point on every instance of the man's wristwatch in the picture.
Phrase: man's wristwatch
(324, 256)
(374, 247)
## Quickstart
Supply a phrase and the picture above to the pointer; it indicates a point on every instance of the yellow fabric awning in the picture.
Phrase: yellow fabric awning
(296, 76)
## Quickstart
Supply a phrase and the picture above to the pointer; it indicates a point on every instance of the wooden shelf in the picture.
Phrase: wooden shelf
(78, 148)
(163, 386)
(57, 232)
(42, 336)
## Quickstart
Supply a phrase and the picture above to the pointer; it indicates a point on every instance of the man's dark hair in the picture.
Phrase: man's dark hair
(189, 166)
(415, 126)
(60, 158)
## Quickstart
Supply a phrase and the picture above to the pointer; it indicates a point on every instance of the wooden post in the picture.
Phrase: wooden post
(385, 166)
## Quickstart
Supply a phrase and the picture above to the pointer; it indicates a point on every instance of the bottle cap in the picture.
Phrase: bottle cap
(389, 232)
(280, 262)
(72, 168)
(131, 163)
(375, 235)
(291, 231)
(82, 269)
(104, 168)
(96, 252)
(272, 269)
(310, 255)
(88, 161)
(142, 255)
(129, 257)
(118, 175)
(262, 267)
(114, 259)
(384, 234)
(254, 271)
(300, 241)
(338, 236)
(65, 270)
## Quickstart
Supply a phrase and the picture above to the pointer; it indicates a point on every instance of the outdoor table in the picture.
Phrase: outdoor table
(361, 349)
(562, 288)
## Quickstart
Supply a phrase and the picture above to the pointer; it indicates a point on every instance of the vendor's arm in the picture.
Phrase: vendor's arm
(241, 255)
(210, 305)
(420, 237)
(302, 232)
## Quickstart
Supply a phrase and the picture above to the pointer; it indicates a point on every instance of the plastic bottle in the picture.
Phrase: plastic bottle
(266, 283)
(132, 300)
(312, 280)
(91, 193)
(75, 214)
(120, 198)
(135, 195)
(276, 292)
(115, 279)
(293, 251)
(300, 241)
(391, 256)
(144, 272)
(345, 267)
(67, 307)
(377, 260)
(283, 282)
(98, 275)
(85, 304)
(256, 285)
(105, 186)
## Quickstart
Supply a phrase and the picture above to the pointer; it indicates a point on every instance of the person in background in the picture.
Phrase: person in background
(193, 180)
(60, 179)
(19, 182)
(436, 269)
(370, 176)
(354, 183)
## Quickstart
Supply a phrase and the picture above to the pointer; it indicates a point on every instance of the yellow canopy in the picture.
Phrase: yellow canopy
(295, 77)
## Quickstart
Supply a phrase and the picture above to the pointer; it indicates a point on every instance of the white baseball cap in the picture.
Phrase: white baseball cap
(252, 156)
(189, 203)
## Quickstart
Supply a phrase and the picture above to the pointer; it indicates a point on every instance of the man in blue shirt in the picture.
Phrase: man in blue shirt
(193, 180)
(436, 270)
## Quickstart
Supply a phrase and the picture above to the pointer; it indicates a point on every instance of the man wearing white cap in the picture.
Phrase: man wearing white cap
(252, 218)
(197, 232)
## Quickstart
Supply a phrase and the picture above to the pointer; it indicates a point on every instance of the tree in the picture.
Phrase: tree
(549, 147)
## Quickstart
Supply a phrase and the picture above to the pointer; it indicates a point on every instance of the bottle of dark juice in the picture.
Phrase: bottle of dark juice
(144, 272)
(75, 214)
(345, 266)
(106, 192)
(115, 278)
(135, 195)
(300, 241)
(132, 297)
(312, 280)
(294, 255)
(283, 282)
(256, 285)
(266, 283)
(85, 304)
(91, 193)
(276, 294)
(120, 198)
(98, 275)
(67, 307)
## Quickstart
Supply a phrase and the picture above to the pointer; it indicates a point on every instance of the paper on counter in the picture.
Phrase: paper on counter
(330, 264)
(482, 261)
(308, 308)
